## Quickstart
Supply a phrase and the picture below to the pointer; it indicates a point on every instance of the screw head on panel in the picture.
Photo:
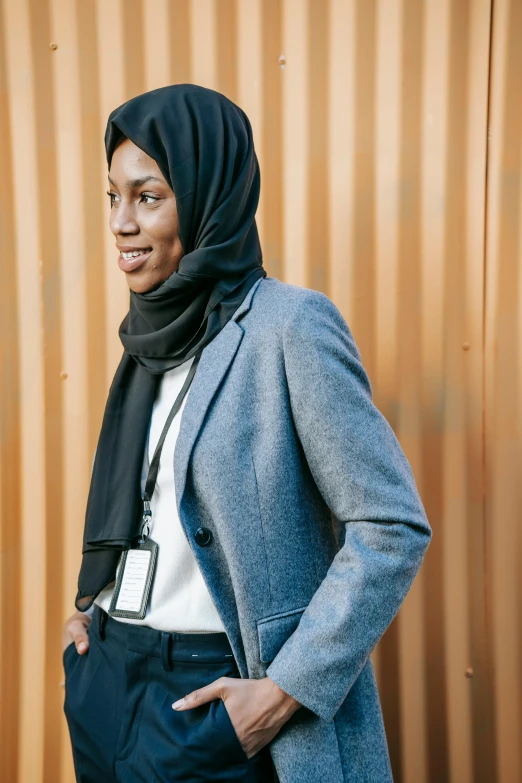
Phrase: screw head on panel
(53, 45)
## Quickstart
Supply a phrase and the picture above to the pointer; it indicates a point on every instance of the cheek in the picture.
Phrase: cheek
(163, 232)
(167, 247)
(168, 252)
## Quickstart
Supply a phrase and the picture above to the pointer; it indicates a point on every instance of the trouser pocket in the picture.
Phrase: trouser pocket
(228, 732)
(188, 746)
(202, 742)
(93, 689)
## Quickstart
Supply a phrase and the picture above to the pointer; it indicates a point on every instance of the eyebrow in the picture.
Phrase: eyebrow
(137, 183)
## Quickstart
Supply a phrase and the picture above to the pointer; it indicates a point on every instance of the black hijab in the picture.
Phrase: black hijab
(203, 145)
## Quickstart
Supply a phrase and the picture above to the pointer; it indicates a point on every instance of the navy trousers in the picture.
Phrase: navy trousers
(118, 699)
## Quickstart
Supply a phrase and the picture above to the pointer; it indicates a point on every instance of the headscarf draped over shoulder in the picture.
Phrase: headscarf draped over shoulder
(202, 143)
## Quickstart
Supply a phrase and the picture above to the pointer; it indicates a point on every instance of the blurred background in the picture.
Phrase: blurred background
(389, 134)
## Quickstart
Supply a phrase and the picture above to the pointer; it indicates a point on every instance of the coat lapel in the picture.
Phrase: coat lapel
(214, 363)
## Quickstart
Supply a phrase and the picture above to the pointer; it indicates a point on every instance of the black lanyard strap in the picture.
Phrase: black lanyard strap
(152, 474)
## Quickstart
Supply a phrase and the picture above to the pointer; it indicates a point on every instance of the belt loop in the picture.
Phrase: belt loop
(165, 651)
(102, 621)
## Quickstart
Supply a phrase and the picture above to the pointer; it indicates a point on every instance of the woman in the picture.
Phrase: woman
(252, 525)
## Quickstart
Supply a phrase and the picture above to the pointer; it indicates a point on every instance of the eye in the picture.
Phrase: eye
(153, 199)
(112, 197)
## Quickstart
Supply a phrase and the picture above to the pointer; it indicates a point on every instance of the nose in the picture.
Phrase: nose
(122, 220)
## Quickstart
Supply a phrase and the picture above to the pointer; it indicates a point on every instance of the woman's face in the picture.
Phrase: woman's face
(144, 218)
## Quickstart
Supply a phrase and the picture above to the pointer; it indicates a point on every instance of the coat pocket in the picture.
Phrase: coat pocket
(273, 631)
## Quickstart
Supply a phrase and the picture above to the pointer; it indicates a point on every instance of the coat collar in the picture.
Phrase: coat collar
(245, 305)
(215, 360)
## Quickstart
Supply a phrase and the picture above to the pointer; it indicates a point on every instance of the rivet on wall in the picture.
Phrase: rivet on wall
(53, 45)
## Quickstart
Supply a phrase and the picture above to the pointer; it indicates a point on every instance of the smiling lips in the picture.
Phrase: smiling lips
(133, 257)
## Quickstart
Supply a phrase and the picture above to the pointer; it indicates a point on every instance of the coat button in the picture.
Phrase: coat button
(203, 536)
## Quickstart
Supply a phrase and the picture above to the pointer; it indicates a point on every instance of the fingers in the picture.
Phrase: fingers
(213, 690)
(75, 630)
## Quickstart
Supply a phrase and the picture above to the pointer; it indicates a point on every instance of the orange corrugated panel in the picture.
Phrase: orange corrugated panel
(378, 188)
(28, 514)
(504, 384)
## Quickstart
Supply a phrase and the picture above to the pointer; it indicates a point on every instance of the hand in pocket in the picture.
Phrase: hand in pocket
(257, 709)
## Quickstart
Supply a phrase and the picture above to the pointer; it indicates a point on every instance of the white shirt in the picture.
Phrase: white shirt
(179, 599)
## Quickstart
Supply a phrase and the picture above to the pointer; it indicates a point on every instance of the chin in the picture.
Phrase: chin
(142, 286)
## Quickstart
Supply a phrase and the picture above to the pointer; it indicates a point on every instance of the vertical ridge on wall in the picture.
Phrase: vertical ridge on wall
(84, 41)
(402, 671)
(131, 18)
(362, 249)
(156, 44)
(10, 479)
(204, 43)
(295, 139)
(454, 559)
(318, 115)
(271, 158)
(248, 51)
(408, 330)
(51, 310)
(481, 705)
(430, 125)
(113, 87)
(341, 86)
(387, 139)
(226, 34)
(73, 375)
(29, 514)
(180, 37)
(504, 384)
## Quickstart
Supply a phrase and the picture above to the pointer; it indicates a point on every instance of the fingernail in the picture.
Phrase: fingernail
(82, 647)
(178, 703)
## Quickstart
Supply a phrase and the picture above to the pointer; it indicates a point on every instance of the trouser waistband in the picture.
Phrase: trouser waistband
(170, 647)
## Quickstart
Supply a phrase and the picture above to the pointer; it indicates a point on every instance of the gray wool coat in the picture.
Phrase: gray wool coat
(318, 529)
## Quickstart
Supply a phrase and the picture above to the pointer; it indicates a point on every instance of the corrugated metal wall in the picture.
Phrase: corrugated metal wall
(503, 386)
(379, 188)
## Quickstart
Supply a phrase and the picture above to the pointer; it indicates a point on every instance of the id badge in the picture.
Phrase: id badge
(134, 582)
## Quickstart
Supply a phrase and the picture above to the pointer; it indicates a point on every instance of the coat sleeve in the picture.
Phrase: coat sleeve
(364, 477)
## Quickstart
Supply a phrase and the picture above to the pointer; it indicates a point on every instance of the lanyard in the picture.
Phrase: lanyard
(152, 474)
